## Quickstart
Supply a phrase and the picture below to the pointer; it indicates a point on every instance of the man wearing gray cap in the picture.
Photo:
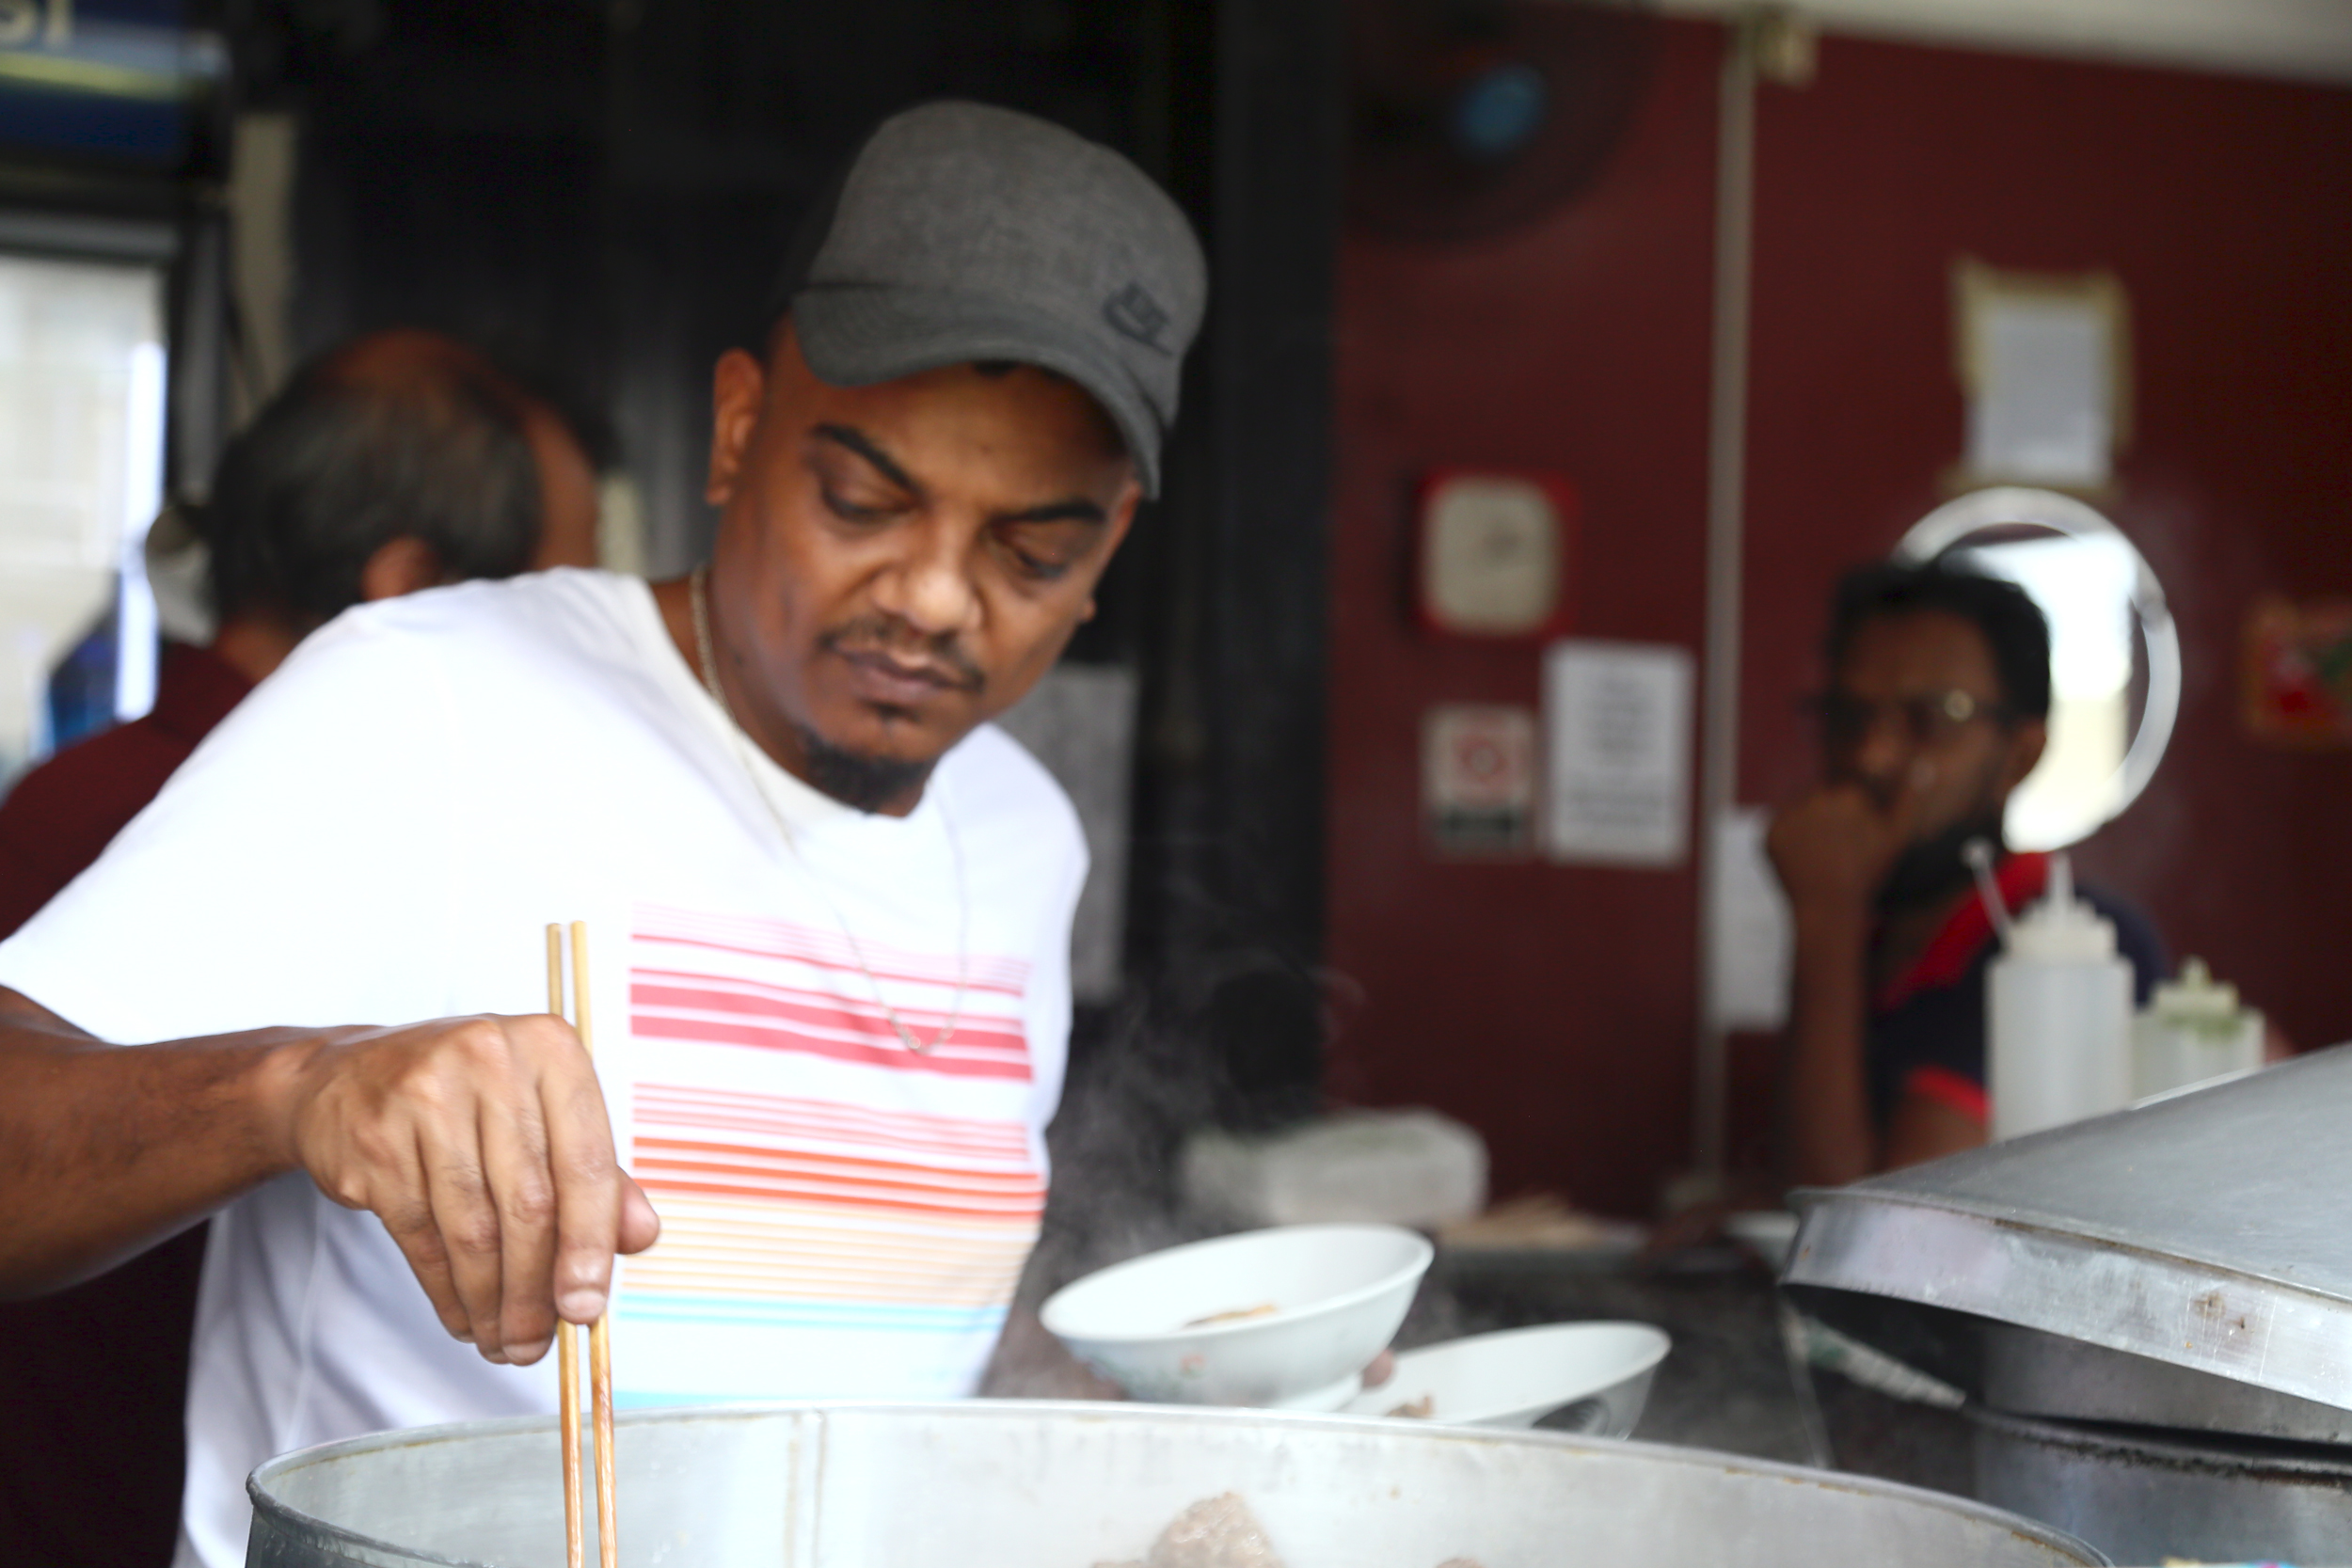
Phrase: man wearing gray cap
(830, 904)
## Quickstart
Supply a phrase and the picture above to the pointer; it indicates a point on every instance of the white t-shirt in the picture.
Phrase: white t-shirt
(382, 833)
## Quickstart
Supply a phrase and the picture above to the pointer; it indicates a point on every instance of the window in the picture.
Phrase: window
(81, 467)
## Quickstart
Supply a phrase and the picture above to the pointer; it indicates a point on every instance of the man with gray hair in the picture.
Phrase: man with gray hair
(831, 904)
(396, 462)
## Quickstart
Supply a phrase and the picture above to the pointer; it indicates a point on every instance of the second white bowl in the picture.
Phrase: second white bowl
(1280, 1317)
(1516, 1376)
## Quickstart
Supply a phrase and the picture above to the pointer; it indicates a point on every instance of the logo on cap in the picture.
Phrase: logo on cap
(1135, 314)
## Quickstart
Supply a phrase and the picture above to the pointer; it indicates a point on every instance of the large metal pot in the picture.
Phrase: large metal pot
(2152, 1497)
(2154, 1307)
(986, 1484)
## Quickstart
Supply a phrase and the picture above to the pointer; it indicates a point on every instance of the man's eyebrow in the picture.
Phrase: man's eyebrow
(1077, 509)
(862, 444)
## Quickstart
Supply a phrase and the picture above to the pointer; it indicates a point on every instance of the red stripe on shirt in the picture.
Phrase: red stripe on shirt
(822, 1010)
(756, 937)
(1948, 953)
(1955, 1090)
(948, 977)
(950, 1061)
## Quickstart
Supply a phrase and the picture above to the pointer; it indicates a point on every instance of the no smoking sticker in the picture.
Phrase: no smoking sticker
(1478, 778)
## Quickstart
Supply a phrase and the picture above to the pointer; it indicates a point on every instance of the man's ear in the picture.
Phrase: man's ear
(1115, 531)
(739, 386)
(1122, 517)
(2027, 743)
(401, 565)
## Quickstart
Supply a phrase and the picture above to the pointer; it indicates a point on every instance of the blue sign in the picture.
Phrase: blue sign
(113, 78)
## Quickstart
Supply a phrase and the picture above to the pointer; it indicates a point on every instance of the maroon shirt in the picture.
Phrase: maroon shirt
(94, 1378)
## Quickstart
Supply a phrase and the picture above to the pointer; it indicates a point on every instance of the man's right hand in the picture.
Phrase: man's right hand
(483, 1146)
(1832, 848)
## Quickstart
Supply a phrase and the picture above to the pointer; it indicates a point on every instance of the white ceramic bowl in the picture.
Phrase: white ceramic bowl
(1519, 1376)
(1336, 1293)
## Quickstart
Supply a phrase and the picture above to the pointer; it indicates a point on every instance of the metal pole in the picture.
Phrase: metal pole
(1719, 738)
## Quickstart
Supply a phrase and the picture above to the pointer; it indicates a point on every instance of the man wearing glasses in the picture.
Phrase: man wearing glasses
(1937, 708)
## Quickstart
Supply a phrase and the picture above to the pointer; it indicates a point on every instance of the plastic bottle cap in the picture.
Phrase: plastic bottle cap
(2196, 996)
(2060, 927)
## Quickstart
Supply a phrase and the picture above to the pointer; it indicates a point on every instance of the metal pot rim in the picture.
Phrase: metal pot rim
(337, 1539)
(2217, 1453)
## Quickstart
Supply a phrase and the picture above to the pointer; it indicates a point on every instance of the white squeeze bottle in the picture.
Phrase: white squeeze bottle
(2059, 1004)
(2193, 1029)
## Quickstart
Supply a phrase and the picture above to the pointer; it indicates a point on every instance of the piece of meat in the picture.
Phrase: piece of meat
(1217, 1532)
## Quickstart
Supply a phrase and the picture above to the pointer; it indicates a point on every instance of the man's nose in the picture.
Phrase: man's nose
(1882, 752)
(930, 586)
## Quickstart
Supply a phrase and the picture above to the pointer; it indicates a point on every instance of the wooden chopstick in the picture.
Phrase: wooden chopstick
(599, 1332)
(567, 1335)
(566, 1340)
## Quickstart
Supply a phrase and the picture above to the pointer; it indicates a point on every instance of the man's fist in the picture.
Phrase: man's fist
(1833, 848)
(483, 1146)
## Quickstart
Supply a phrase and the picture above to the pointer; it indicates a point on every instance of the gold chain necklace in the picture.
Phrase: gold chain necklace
(698, 593)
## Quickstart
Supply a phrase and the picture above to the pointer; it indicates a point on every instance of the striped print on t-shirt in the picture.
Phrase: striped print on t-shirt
(840, 1214)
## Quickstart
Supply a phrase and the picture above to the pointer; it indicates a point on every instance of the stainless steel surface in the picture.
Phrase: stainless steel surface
(986, 1484)
(2146, 1498)
(2031, 1373)
(2203, 1232)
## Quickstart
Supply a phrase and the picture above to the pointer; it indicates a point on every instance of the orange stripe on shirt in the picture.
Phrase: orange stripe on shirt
(677, 1155)
(861, 1200)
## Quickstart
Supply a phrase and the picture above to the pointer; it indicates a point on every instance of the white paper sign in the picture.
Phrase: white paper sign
(1750, 943)
(2041, 359)
(1080, 723)
(1617, 742)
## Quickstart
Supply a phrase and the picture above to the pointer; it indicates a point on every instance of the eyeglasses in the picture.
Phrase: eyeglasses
(1847, 721)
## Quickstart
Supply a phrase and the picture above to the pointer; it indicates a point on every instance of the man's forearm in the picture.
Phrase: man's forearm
(105, 1150)
(1826, 1118)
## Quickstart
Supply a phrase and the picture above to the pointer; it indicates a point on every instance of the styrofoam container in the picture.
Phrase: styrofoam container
(1356, 1167)
(1599, 1371)
(1337, 1294)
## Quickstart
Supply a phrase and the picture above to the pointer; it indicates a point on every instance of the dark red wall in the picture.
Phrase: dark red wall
(1552, 1006)
(1548, 1006)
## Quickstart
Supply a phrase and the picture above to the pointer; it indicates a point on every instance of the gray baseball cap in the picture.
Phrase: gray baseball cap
(962, 233)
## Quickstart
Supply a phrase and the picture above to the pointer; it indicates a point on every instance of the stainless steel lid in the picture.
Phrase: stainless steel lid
(2186, 1263)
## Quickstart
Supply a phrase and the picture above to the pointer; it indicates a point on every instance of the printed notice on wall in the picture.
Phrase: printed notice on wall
(2041, 358)
(1618, 745)
(1751, 939)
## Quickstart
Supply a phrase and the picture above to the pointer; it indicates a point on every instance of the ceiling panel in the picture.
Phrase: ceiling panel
(2305, 38)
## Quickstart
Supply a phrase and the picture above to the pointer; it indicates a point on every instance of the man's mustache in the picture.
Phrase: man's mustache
(941, 656)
